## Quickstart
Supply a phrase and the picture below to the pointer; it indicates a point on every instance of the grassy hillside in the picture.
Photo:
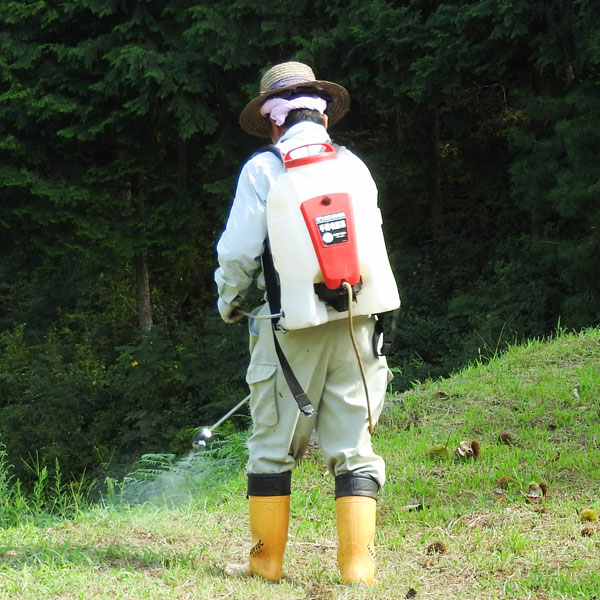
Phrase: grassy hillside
(515, 521)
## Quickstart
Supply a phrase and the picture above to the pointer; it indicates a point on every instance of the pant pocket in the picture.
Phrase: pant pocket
(263, 405)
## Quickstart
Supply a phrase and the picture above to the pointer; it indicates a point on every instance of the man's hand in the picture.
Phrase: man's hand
(230, 313)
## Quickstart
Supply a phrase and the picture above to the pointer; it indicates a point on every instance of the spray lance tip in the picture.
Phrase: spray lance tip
(205, 434)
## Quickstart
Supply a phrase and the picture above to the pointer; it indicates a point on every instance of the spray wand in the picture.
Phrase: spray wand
(206, 432)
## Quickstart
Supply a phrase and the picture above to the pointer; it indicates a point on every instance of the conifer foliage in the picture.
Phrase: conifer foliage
(119, 149)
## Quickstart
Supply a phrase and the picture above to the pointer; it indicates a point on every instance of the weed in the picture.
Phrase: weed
(50, 499)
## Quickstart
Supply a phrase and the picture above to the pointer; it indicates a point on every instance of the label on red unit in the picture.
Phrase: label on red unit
(330, 222)
(333, 228)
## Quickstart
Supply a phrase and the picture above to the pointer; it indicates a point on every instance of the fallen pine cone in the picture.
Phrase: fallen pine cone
(437, 548)
(587, 532)
(505, 481)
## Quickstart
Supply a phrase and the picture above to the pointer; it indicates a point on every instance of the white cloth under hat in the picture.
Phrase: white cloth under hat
(285, 79)
(277, 109)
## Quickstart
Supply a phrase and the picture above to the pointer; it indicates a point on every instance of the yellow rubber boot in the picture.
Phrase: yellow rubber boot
(356, 535)
(269, 516)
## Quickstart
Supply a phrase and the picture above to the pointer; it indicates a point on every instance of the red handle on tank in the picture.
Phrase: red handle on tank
(327, 153)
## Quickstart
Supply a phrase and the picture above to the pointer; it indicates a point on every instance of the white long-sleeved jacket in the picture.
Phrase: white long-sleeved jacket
(241, 245)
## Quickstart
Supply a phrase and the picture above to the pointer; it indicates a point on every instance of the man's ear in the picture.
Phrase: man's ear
(325, 121)
(276, 131)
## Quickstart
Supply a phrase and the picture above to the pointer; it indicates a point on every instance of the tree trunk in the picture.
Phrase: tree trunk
(434, 185)
(142, 281)
(143, 305)
(142, 293)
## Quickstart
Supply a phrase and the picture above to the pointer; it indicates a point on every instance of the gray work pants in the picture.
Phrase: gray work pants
(325, 364)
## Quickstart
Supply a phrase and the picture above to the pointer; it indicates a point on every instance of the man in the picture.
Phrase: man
(295, 109)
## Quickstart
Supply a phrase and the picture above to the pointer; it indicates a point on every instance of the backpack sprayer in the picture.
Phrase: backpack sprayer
(324, 229)
(327, 246)
(326, 251)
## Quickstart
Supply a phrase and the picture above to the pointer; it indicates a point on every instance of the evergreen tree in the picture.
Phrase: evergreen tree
(555, 176)
(103, 99)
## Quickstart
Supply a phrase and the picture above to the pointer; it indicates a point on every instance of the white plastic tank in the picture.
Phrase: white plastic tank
(294, 256)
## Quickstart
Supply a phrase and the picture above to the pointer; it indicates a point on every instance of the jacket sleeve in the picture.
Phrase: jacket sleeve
(241, 245)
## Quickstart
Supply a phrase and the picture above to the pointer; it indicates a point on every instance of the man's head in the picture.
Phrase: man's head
(293, 82)
(285, 112)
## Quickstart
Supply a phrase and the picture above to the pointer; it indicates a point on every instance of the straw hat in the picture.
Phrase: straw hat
(286, 77)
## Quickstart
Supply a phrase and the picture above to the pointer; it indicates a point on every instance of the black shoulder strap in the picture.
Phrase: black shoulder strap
(306, 408)
(274, 298)
(271, 282)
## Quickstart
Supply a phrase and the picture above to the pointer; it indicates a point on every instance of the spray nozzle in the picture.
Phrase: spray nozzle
(206, 432)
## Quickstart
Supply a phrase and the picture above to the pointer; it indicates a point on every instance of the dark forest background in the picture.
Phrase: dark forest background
(119, 152)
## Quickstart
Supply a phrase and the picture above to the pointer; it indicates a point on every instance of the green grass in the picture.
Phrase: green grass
(496, 543)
